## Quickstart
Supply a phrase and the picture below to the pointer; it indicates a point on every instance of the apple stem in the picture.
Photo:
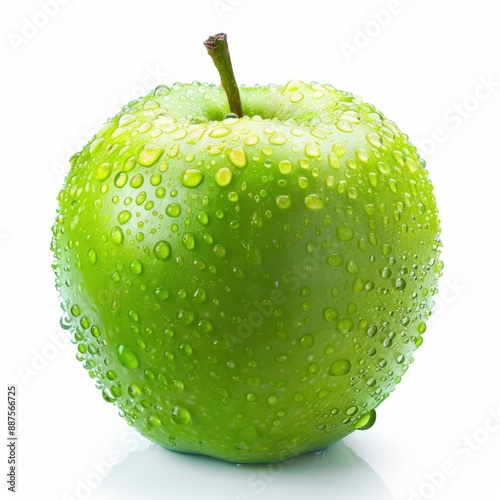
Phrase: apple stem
(218, 50)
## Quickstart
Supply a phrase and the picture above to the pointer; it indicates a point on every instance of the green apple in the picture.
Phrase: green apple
(247, 274)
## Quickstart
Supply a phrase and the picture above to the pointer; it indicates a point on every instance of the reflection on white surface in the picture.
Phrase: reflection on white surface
(335, 473)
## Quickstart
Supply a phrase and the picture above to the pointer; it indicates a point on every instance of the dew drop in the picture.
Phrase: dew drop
(137, 181)
(345, 232)
(330, 314)
(103, 171)
(95, 331)
(162, 250)
(272, 399)
(191, 177)
(345, 325)
(134, 390)
(223, 177)
(238, 157)
(92, 256)
(173, 210)
(189, 241)
(306, 341)
(285, 167)
(277, 139)
(312, 149)
(400, 284)
(185, 317)
(126, 357)
(386, 273)
(149, 154)
(340, 367)
(335, 260)
(180, 415)
(185, 348)
(366, 421)
(374, 139)
(283, 201)
(117, 235)
(313, 202)
(121, 179)
(136, 266)
(124, 217)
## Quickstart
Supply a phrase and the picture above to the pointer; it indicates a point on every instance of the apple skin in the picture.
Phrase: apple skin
(249, 289)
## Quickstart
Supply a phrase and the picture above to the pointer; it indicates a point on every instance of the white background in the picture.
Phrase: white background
(424, 65)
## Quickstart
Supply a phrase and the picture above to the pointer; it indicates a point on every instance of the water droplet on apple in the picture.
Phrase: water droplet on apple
(283, 201)
(345, 232)
(400, 284)
(296, 97)
(352, 267)
(345, 325)
(162, 250)
(306, 341)
(192, 177)
(189, 241)
(366, 421)
(278, 138)
(75, 310)
(352, 410)
(92, 256)
(237, 156)
(103, 171)
(126, 357)
(136, 266)
(199, 295)
(285, 167)
(386, 273)
(121, 179)
(185, 317)
(313, 202)
(374, 139)
(173, 210)
(149, 154)
(204, 326)
(95, 331)
(223, 177)
(340, 367)
(133, 316)
(134, 390)
(153, 421)
(272, 399)
(202, 217)
(124, 217)
(330, 314)
(344, 125)
(312, 149)
(313, 368)
(117, 235)
(180, 415)
(137, 181)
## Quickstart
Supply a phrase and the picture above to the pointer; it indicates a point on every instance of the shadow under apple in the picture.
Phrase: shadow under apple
(156, 473)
